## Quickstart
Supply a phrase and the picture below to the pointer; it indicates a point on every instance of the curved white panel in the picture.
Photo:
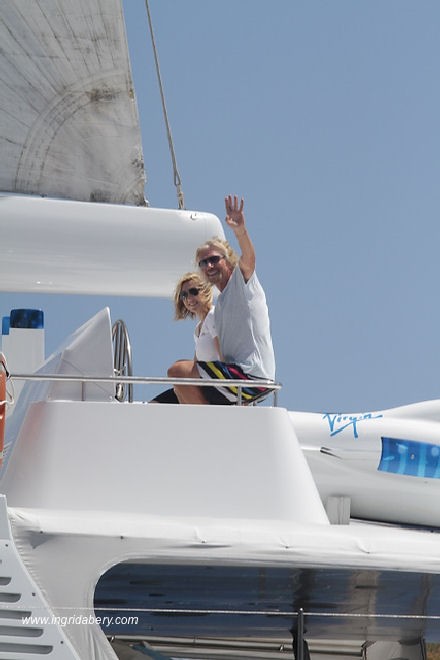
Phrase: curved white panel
(57, 246)
(163, 466)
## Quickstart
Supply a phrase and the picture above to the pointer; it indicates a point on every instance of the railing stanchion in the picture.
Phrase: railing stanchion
(299, 654)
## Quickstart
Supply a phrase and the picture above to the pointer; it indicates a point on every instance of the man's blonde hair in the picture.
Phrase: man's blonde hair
(221, 246)
(205, 293)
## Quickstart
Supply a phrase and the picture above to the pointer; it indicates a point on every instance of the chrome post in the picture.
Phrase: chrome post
(122, 362)
(299, 651)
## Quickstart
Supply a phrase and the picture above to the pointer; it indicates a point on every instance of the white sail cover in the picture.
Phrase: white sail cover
(68, 116)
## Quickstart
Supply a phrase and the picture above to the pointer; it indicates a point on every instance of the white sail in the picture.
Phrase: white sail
(68, 116)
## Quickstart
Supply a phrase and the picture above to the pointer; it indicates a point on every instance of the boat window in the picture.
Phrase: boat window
(410, 457)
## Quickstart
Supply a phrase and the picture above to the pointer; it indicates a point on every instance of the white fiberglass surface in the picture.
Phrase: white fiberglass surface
(57, 246)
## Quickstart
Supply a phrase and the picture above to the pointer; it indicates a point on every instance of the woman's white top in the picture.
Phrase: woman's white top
(204, 334)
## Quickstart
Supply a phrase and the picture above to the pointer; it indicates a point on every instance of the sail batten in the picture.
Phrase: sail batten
(68, 117)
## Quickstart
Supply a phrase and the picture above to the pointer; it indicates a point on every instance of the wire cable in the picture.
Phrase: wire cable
(177, 179)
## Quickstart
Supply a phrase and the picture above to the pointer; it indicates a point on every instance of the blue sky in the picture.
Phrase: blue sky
(325, 117)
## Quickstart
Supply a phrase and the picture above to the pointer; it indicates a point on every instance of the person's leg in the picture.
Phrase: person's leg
(187, 393)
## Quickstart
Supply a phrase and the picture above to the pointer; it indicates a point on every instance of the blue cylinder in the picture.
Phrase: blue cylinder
(5, 325)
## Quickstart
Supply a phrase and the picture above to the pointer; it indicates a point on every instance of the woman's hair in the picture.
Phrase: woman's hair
(221, 246)
(205, 294)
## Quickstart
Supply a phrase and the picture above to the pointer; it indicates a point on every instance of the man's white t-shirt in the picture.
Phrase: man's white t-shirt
(243, 327)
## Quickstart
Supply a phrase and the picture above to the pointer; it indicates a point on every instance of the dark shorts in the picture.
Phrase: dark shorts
(168, 396)
(211, 394)
(229, 395)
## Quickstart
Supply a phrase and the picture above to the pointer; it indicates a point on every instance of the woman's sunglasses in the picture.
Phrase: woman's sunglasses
(193, 291)
(210, 260)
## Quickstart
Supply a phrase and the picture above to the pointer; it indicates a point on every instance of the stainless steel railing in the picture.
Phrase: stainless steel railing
(147, 380)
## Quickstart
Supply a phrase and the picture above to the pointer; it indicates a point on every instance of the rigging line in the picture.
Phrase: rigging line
(177, 179)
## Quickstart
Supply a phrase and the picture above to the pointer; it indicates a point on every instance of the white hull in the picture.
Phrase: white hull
(385, 463)
(92, 484)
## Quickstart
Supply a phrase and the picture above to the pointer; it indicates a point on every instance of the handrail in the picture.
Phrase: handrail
(122, 362)
(152, 380)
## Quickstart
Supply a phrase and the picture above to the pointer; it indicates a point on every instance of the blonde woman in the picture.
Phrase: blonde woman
(193, 299)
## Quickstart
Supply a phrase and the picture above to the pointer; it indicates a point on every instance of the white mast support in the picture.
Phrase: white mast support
(69, 123)
(57, 246)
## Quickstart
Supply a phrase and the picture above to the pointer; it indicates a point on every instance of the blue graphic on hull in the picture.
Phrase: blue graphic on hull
(411, 458)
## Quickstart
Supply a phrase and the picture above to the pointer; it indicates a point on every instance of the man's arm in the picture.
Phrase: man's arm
(235, 220)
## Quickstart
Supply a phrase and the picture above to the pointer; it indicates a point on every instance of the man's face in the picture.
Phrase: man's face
(214, 267)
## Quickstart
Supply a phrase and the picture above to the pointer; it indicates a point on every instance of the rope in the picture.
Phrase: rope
(177, 179)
